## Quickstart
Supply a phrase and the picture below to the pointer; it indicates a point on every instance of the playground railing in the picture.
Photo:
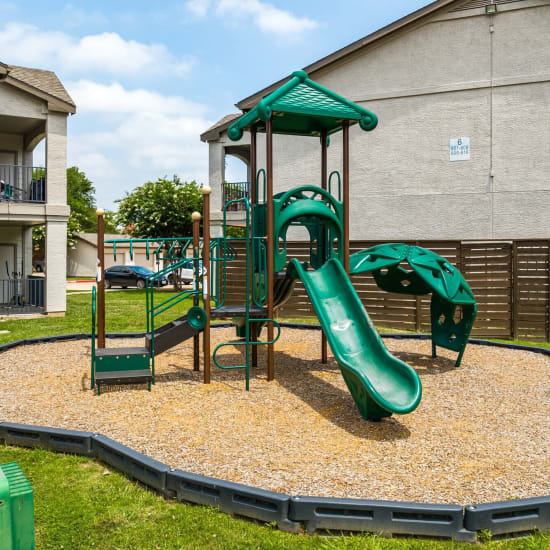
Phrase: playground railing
(246, 343)
(259, 258)
(221, 252)
(93, 334)
(177, 247)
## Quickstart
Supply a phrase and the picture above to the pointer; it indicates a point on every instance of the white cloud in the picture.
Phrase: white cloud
(266, 16)
(198, 7)
(95, 97)
(152, 135)
(21, 43)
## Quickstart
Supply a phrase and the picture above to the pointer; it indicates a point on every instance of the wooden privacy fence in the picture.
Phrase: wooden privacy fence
(510, 280)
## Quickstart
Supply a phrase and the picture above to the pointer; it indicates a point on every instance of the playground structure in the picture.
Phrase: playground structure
(380, 383)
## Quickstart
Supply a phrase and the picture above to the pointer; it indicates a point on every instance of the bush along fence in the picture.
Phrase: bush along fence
(292, 513)
(510, 280)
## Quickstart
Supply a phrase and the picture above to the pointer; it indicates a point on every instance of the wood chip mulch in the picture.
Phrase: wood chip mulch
(480, 434)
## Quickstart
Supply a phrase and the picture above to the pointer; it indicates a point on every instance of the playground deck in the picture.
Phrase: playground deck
(480, 434)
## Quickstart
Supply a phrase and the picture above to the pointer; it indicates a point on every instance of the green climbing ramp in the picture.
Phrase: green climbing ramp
(380, 383)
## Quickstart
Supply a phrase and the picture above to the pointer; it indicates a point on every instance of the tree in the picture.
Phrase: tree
(110, 222)
(81, 199)
(160, 209)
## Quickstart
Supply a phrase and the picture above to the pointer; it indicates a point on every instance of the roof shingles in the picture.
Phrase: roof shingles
(45, 81)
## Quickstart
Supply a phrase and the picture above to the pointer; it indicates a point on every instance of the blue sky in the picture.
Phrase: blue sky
(149, 77)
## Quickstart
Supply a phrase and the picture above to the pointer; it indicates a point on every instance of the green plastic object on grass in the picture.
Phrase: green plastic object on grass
(380, 383)
(408, 269)
(16, 509)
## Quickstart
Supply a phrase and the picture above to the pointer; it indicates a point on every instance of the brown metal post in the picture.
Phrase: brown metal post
(418, 306)
(100, 278)
(345, 178)
(196, 217)
(206, 279)
(515, 291)
(324, 184)
(270, 248)
(253, 201)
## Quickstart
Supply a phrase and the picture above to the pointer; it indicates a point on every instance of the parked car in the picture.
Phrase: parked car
(186, 273)
(130, 275)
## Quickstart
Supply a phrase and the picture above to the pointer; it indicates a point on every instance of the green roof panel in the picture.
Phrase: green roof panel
(303, 107)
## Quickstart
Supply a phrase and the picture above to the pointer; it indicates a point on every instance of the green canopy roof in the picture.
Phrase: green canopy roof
(304, 108)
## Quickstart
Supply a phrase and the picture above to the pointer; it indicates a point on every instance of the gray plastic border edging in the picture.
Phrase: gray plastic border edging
(379, 516)
(326, 514)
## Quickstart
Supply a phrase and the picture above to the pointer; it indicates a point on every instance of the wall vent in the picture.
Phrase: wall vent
(473, 4)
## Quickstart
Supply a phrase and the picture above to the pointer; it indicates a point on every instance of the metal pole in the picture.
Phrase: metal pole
(205, 280)
(345, 170)
(270, 258)
(253, 168)
(196, 217)
(100, 278)
(253, 200)
(324, 244)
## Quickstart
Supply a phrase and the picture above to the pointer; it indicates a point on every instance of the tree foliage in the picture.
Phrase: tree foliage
(81, 199)
(82, 219)
(160, 209)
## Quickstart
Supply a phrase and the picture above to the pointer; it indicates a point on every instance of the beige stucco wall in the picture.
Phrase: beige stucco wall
(15, 102)
(462, 74)
(13, 235)
(54, 214)
(11, 142)
(82, 259)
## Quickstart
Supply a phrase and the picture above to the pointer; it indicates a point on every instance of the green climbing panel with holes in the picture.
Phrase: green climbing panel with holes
(407, 269)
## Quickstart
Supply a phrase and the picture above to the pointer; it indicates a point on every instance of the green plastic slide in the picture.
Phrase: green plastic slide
(380, 383)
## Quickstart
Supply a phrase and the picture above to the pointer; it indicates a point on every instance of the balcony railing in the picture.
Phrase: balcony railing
(22, 183)
(18, 295)
(235, 191)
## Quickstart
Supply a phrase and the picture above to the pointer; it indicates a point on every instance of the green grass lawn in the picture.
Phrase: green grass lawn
(82, 504)
(125, 312)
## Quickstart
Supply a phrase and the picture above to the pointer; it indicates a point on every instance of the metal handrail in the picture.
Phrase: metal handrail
(246, 343)
(259, 292)
(160, 241)
(21, 183)
(261, 171)
(93, 335)
(247, 209)
(339, 184)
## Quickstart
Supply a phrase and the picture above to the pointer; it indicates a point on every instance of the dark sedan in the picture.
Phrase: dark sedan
(130, 275)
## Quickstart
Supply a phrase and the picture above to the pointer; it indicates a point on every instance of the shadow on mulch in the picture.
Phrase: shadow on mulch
(425, 364)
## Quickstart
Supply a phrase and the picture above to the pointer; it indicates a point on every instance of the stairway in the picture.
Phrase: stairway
(114, 366)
